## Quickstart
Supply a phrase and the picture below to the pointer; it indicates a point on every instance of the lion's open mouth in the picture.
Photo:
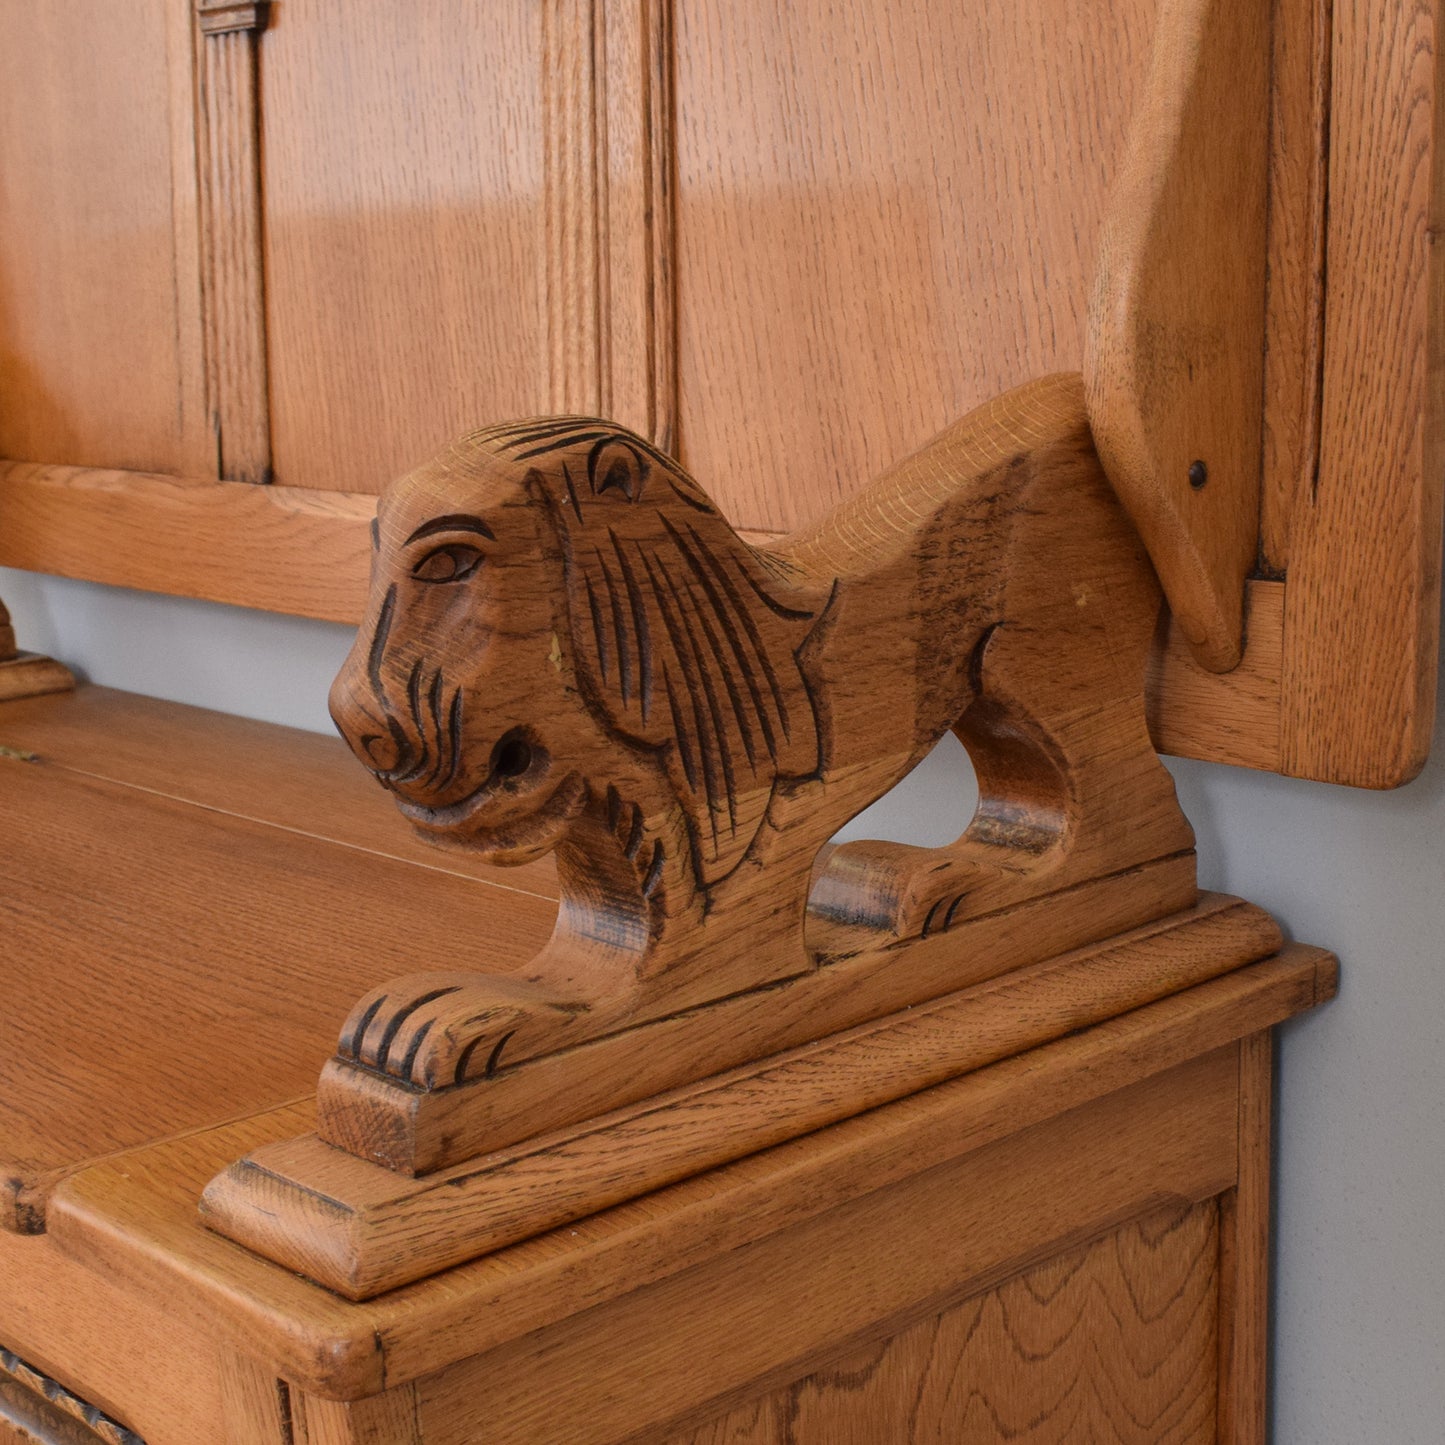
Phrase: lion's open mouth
(518, 768)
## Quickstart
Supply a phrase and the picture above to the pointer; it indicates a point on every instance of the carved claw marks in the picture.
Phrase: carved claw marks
(434, 1030)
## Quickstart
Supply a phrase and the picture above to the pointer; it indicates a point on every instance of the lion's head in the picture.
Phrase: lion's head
(561, 620)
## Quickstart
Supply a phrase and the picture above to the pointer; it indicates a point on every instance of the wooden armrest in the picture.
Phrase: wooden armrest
(569, 649)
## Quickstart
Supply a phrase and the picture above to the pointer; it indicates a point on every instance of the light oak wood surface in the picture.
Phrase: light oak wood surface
(569, 648)
(412, 1131)
(100, 362)
(404, 239)
(135, 1219)
(1295, 256)
(1365, 541)
(232, 283)
(1244, 1256)
(1174, 360)
(803, 1143)
(284, 549)
(1019, 1362)
(882, 222)
(361, 1228)
(953, 1231)
(127, 1355)
(196, 959)
(1230, 717)
(288, 778)
(792, 269)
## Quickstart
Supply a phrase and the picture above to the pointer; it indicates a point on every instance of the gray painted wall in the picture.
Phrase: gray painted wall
(1360, 1261)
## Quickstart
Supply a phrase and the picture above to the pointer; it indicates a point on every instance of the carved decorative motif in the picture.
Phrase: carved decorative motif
(101, 1426)
(221, 17)
(569, 648)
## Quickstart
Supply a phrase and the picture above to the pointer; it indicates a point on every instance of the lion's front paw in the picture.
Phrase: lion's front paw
(432, 1030)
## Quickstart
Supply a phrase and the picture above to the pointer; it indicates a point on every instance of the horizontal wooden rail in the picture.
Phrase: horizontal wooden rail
(306, 551)
(282, 549)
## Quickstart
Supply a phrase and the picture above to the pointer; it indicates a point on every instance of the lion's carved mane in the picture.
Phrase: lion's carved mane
(686, 642)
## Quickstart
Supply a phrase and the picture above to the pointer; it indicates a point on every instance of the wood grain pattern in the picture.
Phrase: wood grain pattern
(888, 221)
(100, 360)
(124, 1353)
(574, 293)
(779, 1307)
(362, 1112)
(570, 649)
(135, 1220)
(403, 185)
(1174, 360)
(285, 777)
(241, 947)
(258, 1407)
(640, 224)
(230, 189)
(1230, 717)
(1110, 1341)
(293, 550)
(361, 1229)
(1363, 598)
(284, 549)
(1299, 155)
(608, 130)
(389, 1419)
(1244, 1257)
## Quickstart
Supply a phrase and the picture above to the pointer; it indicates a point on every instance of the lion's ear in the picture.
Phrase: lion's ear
(618, 467)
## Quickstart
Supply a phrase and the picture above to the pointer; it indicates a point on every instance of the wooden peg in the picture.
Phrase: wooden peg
(1175, 355)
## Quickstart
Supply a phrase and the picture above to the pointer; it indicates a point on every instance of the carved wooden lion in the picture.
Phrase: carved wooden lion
(569, 648)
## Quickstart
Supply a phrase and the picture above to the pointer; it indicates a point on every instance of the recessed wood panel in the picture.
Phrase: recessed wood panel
(1115, 1341)
(404, 230)
(886, 215)
(99, 299)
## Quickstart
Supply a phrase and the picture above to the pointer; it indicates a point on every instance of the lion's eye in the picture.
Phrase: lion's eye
(448, 564)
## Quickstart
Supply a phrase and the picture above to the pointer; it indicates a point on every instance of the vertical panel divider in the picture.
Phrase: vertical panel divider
(231, 239)
(572, 278)
(610, 306)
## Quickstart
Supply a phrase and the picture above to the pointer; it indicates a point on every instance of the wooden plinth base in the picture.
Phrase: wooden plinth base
(28, 674)
(414, 1131)
(362, 1229)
